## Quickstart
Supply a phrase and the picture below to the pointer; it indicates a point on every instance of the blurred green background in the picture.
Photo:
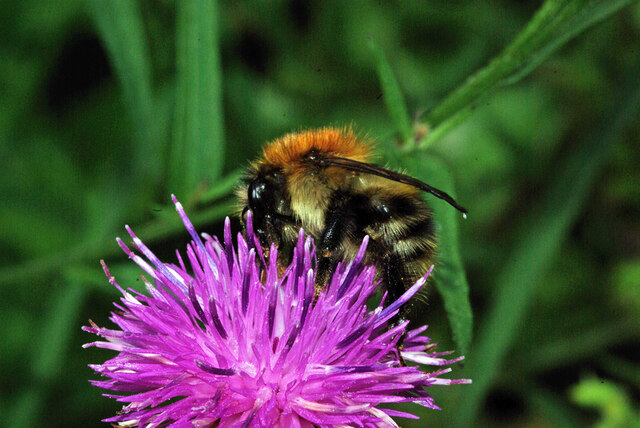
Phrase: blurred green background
(107, 107)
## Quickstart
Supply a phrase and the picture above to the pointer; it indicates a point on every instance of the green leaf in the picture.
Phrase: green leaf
(625, 279)
(576, 17)
(28, 403)
(197, 154)
(119, 24)
(555, 23)
(449, 275)
(610, 399)
(393, 97)
(572, 349)
(540, 238)
(53, 210)
(171, 226)
(58, 327)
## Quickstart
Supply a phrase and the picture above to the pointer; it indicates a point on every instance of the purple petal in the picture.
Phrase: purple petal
(229, 338)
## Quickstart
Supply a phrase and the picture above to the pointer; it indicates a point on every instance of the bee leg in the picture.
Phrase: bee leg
(326, 267)
(329, 243)
(394, 279)
(333, 234)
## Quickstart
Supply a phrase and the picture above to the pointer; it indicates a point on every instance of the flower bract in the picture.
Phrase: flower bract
(226, 337)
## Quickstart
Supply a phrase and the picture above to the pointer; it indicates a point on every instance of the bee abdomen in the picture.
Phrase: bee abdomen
(402, 228)
(414, 240)
(402, 224)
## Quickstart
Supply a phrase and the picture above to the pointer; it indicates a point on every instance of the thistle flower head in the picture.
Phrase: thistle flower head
(225, 338)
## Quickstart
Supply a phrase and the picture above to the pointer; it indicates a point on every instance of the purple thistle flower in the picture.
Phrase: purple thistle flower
(236, 344)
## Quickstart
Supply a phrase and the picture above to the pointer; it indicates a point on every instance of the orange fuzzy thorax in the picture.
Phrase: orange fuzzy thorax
(309, 189)
(287, 151)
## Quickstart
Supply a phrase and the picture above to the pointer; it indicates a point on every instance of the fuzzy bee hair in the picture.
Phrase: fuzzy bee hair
(322, 180)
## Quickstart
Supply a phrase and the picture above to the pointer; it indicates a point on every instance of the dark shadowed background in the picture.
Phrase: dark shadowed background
(96, 98)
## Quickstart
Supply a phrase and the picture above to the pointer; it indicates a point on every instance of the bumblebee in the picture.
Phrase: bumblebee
(323, 181)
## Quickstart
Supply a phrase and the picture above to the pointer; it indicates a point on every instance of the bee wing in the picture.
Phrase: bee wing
(373, 169)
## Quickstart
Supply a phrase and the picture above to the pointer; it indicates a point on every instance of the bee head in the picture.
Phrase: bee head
(266, 191)
(267, 198)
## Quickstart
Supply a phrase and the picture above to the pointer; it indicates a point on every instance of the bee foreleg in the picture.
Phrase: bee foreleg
(336, 227)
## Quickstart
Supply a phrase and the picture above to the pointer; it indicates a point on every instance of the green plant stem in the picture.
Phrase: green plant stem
(555, 23)
(510, 59)
(152, 232)
(447, 125)
(222, 186)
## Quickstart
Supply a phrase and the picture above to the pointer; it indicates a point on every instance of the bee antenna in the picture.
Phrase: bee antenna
(442, 195)
(380, 171)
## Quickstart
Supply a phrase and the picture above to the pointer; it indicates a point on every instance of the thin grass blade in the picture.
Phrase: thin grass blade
(393, 98)
(449, 274)
(197, 154)
(120, 26)
(546, 228)
(555, 23)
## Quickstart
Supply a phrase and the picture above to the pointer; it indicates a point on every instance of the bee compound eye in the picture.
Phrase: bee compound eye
(257, 190)
(312, 155)
(261, 194)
